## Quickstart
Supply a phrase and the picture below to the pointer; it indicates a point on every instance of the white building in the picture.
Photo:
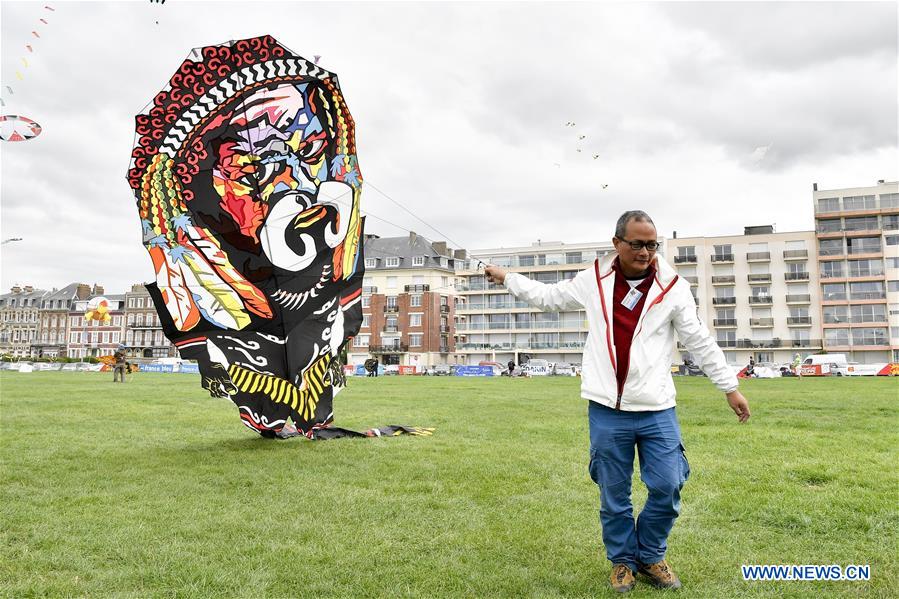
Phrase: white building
(492, 326)
(758, 293)
(857, 231)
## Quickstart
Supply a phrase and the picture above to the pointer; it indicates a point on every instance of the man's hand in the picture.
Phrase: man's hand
(739, 405)
(495, 274)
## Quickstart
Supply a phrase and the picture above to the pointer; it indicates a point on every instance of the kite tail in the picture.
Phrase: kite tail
(345, 257)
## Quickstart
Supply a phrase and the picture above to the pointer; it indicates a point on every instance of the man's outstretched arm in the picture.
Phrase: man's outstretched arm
(551, 297)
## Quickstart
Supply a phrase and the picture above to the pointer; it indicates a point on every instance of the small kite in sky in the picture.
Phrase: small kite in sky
(258, 274)
(595, 156)
(30, 49)
(35, 34)
(581, 137)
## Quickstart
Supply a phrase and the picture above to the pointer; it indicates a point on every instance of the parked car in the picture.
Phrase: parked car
(441, 370)
(391, 369)
(563, 369)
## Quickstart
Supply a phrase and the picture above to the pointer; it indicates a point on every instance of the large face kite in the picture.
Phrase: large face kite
(248, 189)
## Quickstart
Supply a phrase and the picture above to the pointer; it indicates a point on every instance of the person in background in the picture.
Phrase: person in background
(121, 366)
(511, 366)
(635, 303)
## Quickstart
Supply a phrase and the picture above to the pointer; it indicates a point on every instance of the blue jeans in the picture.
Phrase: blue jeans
(663, 469)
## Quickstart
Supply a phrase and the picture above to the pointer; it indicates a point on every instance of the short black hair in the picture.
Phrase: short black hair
(627, 217)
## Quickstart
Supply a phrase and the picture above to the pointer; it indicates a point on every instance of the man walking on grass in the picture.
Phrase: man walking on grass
(635, 302)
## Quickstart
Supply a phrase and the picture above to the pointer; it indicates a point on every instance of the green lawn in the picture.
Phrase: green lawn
(154, 489)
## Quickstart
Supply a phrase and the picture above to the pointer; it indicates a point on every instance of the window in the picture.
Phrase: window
(863, 245)
(573, 258)
(418, 280)
(866, 290)
(798, 244)
(361, 341)
(391, 282)
(832, 270)
(366, 301)
(865, 268)
(828, 204)
(833, 291)
(724, 250)
(418, 261)
(392, 262)
(894, 309)
(686, 250)
(889, 200)
(371, 263)
(415, 339)
(861, 223)
(391, 301)
(892, 285)
(835, 314)
(415, 320)
(368, 281)
(859, 203)
(800, 336)
(868, 313)
(724, 314)
(415, 300)
(890, 221)
(836, 336)
(727, 338)
(366, 321)
(527, 260)
(891, 239)
(761, 291)
(830, 247)
(444, 282)
(799, 312)
(869, 336)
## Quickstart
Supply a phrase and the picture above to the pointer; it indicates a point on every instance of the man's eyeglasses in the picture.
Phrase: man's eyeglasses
(639, 245)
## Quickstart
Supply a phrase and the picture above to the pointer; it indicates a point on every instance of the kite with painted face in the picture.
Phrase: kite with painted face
(248, 188)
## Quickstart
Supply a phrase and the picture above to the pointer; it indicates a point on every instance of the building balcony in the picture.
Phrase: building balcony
(444, 308)
(691, 259)
(870, 295)
(391, 328)
(725, 322)
(758, 256)
(569, 346)
(800, 298)
(794, 321)
(391, 309)
(141, 327)
(758, 300)
(399, 348)
(369, 289)
(759, 278)
(479, 307)
(724, 280)
(444, 328)
(444, 349)
(761, 323)
(722, 258)
(795, 255)
(417, 288)
(724, 301)
(805, 343)
(693, 281)
(796, 276)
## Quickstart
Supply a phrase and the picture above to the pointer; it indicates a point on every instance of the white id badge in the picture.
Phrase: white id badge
(630, 300)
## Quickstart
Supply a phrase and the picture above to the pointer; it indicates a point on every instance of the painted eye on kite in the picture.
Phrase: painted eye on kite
(311, 150)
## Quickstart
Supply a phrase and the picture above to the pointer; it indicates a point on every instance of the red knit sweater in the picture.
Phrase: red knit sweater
(625, 321)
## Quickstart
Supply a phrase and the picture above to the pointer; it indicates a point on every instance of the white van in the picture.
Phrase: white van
(824, 364)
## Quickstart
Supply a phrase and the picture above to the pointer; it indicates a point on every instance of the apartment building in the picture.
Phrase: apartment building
(143, 329)
(491, 325)
(857, 231)
(19, 318)
(93, 338)
(54, 318)
(758, 293)
(407, 302)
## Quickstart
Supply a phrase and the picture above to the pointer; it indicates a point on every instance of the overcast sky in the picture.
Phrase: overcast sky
(709, 116)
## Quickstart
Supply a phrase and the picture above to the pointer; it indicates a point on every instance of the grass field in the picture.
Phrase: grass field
(154, 489)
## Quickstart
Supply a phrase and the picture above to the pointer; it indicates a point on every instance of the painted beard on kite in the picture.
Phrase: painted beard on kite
(248, 189)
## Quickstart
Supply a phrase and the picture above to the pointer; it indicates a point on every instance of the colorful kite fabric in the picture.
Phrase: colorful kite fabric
(98, 309)
(258, 276)
(18, 128)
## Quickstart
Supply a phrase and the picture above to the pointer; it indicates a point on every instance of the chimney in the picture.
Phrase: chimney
(137, 288)
(814, 187)
(439, 247)
(459, 254)
(674, 235)
(412, 236)
(880, 181)
(16, 289)
(28, 288)
(83, 291)
(98, 289)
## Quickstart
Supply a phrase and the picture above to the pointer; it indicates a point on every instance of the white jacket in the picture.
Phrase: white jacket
(669, 307)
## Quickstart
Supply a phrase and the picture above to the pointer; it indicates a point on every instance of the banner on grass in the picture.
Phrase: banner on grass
(474, 370)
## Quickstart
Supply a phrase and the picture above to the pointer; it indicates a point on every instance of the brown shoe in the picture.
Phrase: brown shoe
(660, 574)
(622, 578)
